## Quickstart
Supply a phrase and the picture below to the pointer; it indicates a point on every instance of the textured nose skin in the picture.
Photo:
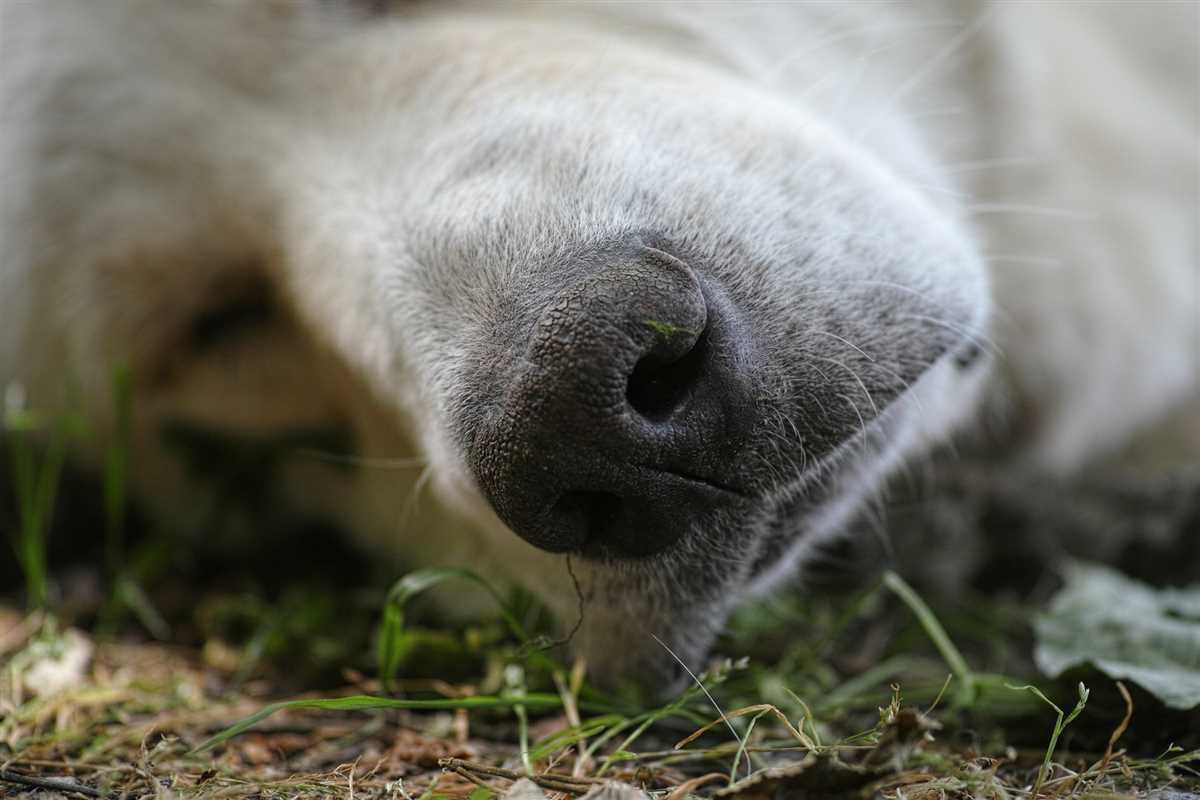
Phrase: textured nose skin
(617, 432)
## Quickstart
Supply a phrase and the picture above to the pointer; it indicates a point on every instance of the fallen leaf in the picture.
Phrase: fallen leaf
(1127, 630)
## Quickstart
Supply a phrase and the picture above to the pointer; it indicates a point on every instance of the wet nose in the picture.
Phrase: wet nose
(619, 430)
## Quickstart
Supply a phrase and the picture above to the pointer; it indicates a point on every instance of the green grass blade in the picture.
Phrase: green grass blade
(116, 469)
(391, 631)
(1060, 724)
(368, 702)
(36, 473)
(572, 736)
(741, 750)
(936, 633)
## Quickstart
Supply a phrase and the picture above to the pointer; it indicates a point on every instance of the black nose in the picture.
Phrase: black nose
(618, 430)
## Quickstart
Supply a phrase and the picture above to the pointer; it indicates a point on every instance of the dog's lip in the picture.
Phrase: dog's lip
(725, 495)
(700, 481)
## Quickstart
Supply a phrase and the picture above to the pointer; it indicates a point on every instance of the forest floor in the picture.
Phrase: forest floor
(860, 694)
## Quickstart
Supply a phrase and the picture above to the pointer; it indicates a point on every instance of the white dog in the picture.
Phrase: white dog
(668, 288)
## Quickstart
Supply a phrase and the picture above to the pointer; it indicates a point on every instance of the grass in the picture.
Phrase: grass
(885, 695)
(1059, 725)
(517, 701)
(36, 469)
(146, 713)
(968, 686)
(668, 330)
(391, 630)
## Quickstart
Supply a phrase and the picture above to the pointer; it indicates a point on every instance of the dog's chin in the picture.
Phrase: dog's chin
(646, 655)
(649, 624)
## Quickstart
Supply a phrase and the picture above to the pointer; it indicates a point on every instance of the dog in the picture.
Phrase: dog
(638, 305)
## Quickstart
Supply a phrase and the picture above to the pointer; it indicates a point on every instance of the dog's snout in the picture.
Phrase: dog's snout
(619, 430)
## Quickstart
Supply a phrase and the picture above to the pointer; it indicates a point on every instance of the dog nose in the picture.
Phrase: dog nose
(621, 429)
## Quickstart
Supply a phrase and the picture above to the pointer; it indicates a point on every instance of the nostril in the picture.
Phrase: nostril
(968, 355)
(587, 514)
(660, 384)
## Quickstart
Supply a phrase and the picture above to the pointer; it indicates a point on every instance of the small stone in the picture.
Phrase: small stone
(525, 789)
(58, 665)
(616, 791)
